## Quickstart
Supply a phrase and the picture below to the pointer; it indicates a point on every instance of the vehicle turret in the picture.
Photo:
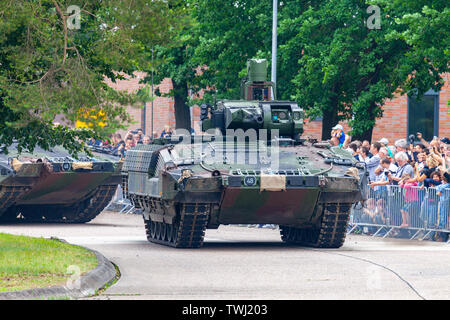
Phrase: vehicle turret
(255, 110)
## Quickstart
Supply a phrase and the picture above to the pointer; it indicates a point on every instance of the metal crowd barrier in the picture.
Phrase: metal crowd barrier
(119, 203)
(391, 209)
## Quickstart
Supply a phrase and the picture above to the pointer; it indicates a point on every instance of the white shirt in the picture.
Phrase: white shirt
(393, 168)
(372, 164)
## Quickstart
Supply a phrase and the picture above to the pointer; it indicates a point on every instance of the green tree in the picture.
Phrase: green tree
(230, 33)
(212, 53)
(54, 62)
(175, 62)
(329, 60)
(179, 67)
(346, 71)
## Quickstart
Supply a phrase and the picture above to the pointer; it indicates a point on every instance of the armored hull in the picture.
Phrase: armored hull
(50, 186)
(184, 189)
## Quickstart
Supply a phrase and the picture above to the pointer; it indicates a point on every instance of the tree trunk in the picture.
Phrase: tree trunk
(182, 110)
(330, 119)
(367, 134)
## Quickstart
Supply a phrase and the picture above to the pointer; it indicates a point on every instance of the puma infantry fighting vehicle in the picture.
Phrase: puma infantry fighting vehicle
(50, 186)
(250, 167)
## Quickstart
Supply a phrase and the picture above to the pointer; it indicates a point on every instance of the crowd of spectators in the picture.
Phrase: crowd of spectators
(411, 165)
(118, 146)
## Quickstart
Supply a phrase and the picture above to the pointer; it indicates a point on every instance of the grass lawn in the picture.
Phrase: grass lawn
(28, 263)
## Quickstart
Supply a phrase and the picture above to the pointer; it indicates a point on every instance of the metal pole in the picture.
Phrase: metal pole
(144, 119)
(274, 47)
(152, 94)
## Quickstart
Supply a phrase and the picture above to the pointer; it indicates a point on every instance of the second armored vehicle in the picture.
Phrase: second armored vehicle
(266, 174)
(51, 186)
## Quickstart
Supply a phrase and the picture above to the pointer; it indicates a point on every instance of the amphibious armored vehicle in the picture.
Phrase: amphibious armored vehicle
(51, 186)
(251, 167)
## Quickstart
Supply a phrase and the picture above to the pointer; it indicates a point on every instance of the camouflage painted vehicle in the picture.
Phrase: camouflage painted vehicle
(50, 186)
(306, 188)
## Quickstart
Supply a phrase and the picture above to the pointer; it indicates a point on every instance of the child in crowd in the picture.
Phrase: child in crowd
(167, 132)
(434, 180)
(338, 132)
(369, 211)
(381, 214)
(411, 200)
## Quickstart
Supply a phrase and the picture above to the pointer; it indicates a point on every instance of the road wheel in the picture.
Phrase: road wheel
(153, 229)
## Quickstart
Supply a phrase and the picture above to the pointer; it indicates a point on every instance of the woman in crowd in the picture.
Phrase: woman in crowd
(431, 164)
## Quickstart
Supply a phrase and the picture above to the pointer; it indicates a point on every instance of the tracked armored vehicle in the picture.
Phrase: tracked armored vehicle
(51, 186)
(250, 167)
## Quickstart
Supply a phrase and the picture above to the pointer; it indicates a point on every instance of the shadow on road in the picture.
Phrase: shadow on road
(238, 245)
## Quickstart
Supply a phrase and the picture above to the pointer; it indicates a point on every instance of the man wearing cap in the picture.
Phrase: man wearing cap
(384, 143)
(400, 146)
(338, 132)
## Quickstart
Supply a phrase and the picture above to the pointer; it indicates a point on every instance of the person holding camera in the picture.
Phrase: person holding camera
(404, 168)
(382, 172)
(422, 140)
(420, 164)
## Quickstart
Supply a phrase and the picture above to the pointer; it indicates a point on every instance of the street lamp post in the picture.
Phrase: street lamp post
(152, 94)
(274, 47)
(143, 118)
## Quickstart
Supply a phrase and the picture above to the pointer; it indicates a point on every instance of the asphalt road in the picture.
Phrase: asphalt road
(248, 263)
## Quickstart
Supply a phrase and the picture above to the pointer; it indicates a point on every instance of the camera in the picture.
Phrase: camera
(411, 138)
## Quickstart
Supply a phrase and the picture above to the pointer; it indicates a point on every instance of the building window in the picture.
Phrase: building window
(423, 115)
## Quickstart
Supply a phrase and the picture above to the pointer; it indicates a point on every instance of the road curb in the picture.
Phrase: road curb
(88, 285)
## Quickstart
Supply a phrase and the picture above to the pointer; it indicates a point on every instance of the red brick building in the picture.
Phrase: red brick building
(402, 115)
(163, 107)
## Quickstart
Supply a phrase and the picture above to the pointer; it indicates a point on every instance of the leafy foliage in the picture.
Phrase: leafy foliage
(175, 62)
(330, 62)
(348, 71)
(230, 33)
(49, 69)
